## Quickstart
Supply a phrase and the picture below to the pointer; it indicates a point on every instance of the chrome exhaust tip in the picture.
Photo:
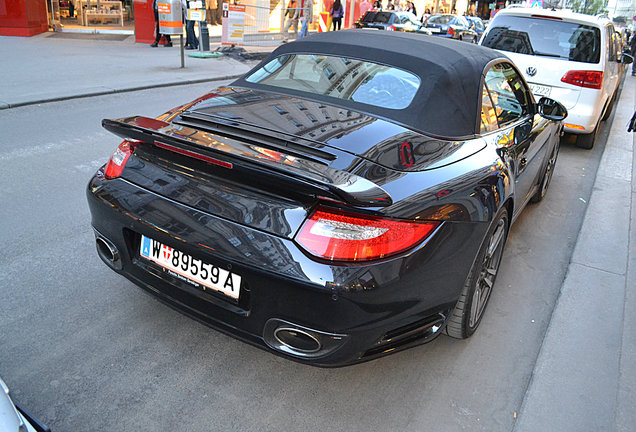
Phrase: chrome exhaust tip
(297, 340)
(300, 341)
(108, 252)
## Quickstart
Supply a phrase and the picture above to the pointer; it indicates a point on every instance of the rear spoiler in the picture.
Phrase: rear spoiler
(306, 174)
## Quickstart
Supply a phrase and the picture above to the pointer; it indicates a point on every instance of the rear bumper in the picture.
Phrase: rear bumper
(586, 115)
(373, 309)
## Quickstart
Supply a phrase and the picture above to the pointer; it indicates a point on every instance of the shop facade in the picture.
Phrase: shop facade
(31, 17)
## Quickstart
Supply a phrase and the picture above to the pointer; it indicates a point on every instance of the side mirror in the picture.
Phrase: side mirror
(551, 109)
(626, 59)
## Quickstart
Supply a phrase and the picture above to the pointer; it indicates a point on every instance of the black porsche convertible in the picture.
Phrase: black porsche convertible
(348, 197)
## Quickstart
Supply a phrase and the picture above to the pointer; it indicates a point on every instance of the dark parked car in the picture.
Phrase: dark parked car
(451, 26)
(388, 20)
(477, 25)
(326, 206)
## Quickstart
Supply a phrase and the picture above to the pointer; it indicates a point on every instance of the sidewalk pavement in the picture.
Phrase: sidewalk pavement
(100, 64)
(585, 375)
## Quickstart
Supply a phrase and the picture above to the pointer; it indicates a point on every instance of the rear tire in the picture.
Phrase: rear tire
(467, 314)
(587, 141)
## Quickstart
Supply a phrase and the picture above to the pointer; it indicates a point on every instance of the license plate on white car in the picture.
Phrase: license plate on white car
(540, 90)
(189, 269)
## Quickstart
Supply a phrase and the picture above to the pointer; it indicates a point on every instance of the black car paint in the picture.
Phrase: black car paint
(352, 299)
(248, 227)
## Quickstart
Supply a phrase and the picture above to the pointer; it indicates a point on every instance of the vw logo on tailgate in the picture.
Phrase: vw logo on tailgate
(531, 71)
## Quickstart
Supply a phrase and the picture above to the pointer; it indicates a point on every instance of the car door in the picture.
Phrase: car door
(509, 121)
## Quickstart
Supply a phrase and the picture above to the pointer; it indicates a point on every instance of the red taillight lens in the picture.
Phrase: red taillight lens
(450, 31)
(118, 160)
(588, 79)
(341, 236)
(391, 28)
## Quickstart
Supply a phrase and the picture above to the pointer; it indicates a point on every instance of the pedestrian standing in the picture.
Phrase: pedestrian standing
(389, 6)
(155, 9)
(410, 7)
(306, 17)
(191, 39)
(364, 7)
(291, 13)
(336, 15)
(377, 5)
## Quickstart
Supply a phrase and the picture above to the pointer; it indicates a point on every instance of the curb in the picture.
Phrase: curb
(576, 378)
(114, 91)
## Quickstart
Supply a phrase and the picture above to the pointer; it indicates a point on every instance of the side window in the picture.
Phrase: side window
(510, 97)
(488, 115)
(611, 41)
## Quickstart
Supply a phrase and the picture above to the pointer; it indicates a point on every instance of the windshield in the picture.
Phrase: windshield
(547, 38)
(341, 78)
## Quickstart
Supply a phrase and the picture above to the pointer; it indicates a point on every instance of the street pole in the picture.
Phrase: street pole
(181, 43)
(203, 33)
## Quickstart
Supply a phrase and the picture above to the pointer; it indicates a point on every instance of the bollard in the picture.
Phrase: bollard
(204, 36)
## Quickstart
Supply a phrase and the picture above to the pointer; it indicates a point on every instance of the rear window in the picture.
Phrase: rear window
(341, 78)
(461, 21)
(544, 37)
(376, 17)
(369, 16)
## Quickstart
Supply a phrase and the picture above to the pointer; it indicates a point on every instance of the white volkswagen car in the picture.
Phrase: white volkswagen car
(573, 58)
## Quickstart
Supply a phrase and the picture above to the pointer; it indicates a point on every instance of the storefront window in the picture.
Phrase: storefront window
(105, 14)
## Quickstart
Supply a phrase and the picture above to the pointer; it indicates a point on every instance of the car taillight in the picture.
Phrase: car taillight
(391, 28)
(588, 79)
(118, 160)
(342, 236)
(450, 31)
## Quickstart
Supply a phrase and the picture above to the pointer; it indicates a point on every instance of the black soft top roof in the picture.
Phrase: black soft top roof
(447, 102)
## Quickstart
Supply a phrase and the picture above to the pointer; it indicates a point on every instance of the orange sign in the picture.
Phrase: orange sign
(237, 8)
(163, 8)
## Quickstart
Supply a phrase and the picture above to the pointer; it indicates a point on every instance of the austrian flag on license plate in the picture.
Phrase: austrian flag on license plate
(190, 269)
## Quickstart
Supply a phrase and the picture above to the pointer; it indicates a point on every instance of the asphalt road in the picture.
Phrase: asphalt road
(85, 350)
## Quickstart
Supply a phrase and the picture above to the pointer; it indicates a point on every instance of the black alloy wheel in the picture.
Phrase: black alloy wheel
(547, 175)
(470, 307)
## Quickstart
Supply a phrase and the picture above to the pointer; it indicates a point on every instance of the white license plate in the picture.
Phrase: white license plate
(190, 269)
(540, 90)
(434, 29)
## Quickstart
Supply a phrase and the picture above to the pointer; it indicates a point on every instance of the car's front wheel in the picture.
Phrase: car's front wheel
(547, 175)
(470, 307)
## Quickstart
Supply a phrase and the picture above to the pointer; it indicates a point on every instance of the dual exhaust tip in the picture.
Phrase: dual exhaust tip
(108, 252)
(300, 341)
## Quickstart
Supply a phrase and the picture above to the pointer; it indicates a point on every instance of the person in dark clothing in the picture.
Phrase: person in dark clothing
(191, 39)
(632, 51)
(336, 15)
(155, 10)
